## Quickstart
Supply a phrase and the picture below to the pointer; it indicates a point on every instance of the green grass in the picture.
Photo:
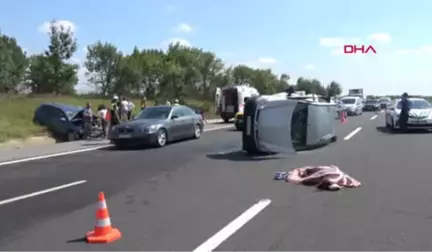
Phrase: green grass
(16, 116)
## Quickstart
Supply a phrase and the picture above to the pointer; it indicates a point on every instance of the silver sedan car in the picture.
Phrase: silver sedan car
(157, 126)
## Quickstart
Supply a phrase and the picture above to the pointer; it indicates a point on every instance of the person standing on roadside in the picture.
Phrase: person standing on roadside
(88, 120)
(102, 113)
(114, 111)
(131, 107)
(405, 108)
(124, 109)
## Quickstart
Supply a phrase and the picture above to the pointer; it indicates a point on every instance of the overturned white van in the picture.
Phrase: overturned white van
(283, 124)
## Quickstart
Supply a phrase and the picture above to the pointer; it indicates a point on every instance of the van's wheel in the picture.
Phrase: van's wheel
(333, 139)
(197, 131)
(226, 119)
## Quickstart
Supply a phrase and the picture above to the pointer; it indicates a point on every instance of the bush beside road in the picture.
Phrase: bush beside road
(16, 119)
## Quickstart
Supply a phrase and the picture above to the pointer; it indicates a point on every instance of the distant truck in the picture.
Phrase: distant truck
(356, 92)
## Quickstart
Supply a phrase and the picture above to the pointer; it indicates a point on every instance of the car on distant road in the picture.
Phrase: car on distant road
(157, 126)
(385, 102)
(420, 115)
(63, 121)
(352, 105)
(371, 105)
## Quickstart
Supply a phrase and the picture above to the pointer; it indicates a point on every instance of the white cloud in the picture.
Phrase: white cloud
(184, 28)
(337, 41)
(181, 41)
(382, 37)
(331, 42)
(267, 60)
(46, 26)
(336, 51)
(424, 50)
(309, 67)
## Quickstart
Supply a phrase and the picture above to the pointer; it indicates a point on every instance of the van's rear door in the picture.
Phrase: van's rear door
(274, 126)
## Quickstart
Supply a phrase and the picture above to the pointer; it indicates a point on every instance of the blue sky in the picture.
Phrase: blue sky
(302, 38)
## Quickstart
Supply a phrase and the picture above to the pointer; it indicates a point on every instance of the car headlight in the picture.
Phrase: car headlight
(151, 128)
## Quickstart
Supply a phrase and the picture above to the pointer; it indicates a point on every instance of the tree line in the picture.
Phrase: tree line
(179, 72)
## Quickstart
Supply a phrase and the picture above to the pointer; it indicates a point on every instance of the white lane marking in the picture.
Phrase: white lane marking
(213, 242)
(30, 195)
(374, 117)
(83, 150)
(53, 155)
(219, 128)
(352, 133)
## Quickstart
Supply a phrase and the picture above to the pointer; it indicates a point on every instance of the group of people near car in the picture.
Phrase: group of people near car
(120, 110)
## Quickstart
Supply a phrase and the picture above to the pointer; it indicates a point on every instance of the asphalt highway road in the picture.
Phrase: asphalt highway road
(179, 197)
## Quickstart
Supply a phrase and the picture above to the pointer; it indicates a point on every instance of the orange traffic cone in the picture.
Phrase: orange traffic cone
(103, 232)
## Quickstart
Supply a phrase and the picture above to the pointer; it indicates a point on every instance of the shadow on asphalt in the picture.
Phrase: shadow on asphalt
(397, 132)
(240, 156)
(223, 123)
(234, 130)
(78, 240)
(140, 147)
(126, 148)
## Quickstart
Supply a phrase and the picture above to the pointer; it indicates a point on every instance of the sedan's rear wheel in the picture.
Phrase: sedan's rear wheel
(161, 138)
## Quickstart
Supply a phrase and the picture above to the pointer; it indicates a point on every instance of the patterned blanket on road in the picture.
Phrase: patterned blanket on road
(328, 178)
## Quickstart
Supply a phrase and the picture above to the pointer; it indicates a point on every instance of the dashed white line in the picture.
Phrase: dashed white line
(213, 242)
(84, 150)
(348, 137)
(374, 117)
(30, 195)
(53, 155)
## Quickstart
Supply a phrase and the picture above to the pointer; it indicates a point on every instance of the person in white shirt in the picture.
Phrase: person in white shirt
(124, 108)
(102, 113)
(131, 107)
